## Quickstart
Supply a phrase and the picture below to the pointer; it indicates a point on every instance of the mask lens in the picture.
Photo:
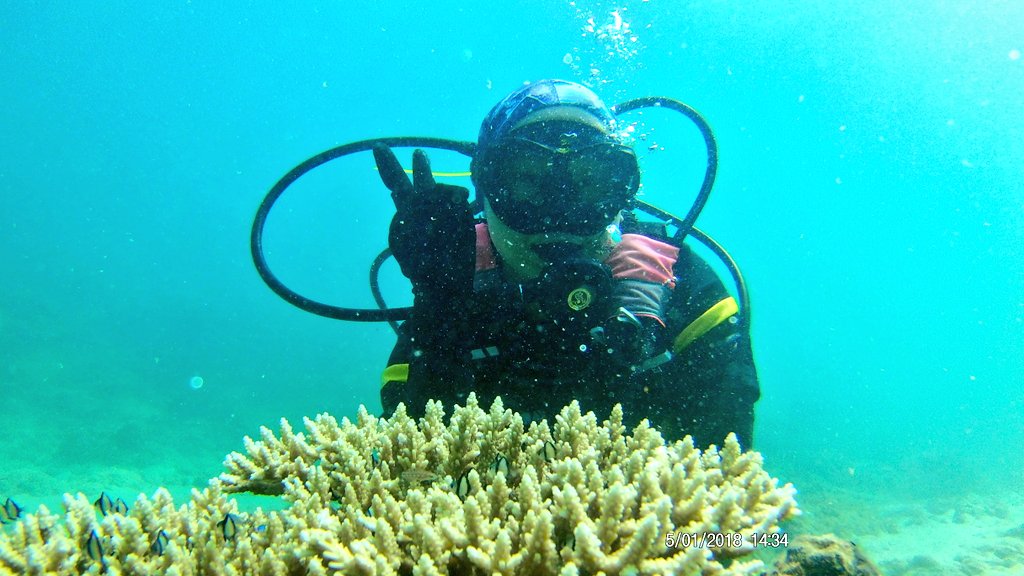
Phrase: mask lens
(537, 188)
(604, 174)
(522, 174)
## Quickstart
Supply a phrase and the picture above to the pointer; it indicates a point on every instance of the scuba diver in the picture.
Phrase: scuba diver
(560, 292)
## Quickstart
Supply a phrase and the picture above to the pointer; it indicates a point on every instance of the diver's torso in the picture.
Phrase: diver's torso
(537, 360)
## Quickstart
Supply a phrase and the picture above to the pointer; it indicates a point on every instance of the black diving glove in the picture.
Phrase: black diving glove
(627, 341)
(432, 235)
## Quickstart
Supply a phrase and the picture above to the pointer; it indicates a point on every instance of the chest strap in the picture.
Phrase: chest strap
(704, 323)
(395, 373)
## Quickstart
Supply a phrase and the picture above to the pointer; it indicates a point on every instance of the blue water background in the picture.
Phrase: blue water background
(870, 187)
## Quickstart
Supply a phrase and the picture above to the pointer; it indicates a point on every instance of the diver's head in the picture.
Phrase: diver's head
(548, 162)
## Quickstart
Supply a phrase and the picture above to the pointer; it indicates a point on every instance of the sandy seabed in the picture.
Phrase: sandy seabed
(963, 535)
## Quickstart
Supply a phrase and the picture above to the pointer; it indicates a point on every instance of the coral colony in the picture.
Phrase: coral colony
(480, 494)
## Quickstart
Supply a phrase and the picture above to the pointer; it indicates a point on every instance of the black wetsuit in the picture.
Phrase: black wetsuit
(707, 389)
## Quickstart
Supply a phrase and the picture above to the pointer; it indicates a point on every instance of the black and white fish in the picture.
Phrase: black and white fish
(500, 464)
(9, 512)
(461, 485)
(549, 451)
(94, 548)
(104, 504)
(160, 540)
(228, 526)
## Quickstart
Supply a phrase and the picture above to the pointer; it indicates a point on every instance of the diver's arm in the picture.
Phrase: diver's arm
(430, 361)
(710, 386)
(433, 240)
(643, 282)
(725, 370)
(631, 333)
(439, 338)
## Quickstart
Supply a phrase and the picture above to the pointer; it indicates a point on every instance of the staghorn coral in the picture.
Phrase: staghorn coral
(396, 496)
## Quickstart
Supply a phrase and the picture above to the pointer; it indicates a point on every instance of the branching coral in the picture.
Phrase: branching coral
(480, 494)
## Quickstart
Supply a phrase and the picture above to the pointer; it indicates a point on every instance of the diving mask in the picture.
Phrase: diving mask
(534, 187)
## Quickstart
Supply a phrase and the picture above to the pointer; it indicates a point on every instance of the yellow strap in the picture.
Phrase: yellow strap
(395, 373)
(446, 174)
(465, 174)
(704, 323)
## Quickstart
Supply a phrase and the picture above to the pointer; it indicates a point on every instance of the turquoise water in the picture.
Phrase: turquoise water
(870, 188)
